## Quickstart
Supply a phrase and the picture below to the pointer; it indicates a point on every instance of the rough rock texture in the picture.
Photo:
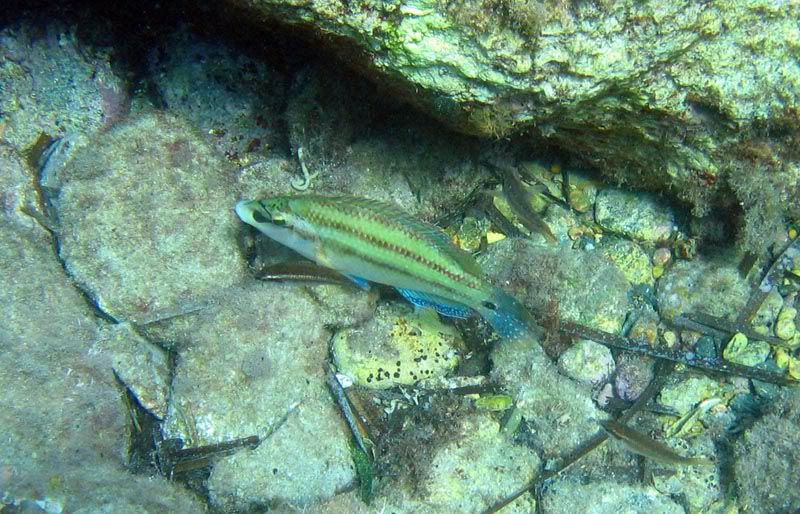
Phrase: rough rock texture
(19, 199)
(147, 226)
(560, 412)
(64, 423)
(142, 366)
(469, 469)
(567, 496)
(661, 94)
(53, 86)
(711, 285)
(396, 347)
(587, 288)
(253, 362)
(771, 448)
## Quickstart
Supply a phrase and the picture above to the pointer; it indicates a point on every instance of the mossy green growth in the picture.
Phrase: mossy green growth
(742, 351)
(471, 233)
(397, 347)
(631, 260)
(685, 394)
(494, 402)
(365, 473)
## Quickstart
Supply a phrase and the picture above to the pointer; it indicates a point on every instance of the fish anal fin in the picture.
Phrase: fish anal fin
(441, 305)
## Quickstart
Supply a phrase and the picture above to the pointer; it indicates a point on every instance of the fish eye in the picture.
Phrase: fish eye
(490, 306)
(259, 217)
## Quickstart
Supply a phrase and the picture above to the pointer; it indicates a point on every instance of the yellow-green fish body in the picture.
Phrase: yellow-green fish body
(378, 242)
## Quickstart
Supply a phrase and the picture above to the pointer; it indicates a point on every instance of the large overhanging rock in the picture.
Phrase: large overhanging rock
(695, 97)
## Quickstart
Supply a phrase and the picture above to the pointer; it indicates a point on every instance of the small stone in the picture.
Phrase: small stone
(683, 395)
(794, 368)
(785, 327)
(471, 233)
(670, 338)
(587, 362)
(493, 237)
(631, 260)
(582, 192)
(662, 256)
(658, 271)
(705, 348)
(782, 358)
(747, 353)
(636, 215)
(634, 373)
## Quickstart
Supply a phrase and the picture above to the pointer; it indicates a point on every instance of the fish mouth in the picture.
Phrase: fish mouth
(245, 211)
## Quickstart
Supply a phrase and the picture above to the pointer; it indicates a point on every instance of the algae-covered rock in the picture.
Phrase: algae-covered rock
(585, 286)
(587, 362)
(710, 285)
(477, 469)
(635, 215)
(147, 224)
(630, 258)
(740, 350)
(699, 485)
(589, 78)
(141, 365)
(56, 84)
(65, 427)
(771, 448)
(567, 496)
(233, 99)
(684, 394)
(397, 347)
(253, 362)
(19, 197)
(559, 411)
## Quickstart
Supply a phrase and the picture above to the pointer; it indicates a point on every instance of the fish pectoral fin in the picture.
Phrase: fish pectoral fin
(442, 306)
(360, 282)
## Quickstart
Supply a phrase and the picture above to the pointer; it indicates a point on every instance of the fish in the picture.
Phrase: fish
(370, 241)
(641, 444)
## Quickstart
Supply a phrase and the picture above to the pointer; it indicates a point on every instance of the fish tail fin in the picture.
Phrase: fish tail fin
(508, 317)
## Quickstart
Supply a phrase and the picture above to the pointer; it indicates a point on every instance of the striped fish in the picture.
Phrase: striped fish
(371, 241)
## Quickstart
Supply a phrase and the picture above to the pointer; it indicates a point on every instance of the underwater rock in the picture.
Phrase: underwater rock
(634, 373)
(141, 365)
(682, 395)
(630, 258)
(587, 362)
(742, 351)
(771, 448)
(233, 99)
(55, 84)
(476, 469)
(147, 226)
(397, 347)
(567, 496)
(639, 216)
(710, 285)
(559, 411)
(785, 325)
(19, 199)
(589, 77)
(65, 426)
(583, 285)
(699, 486)
(583, 189)
(253, 362)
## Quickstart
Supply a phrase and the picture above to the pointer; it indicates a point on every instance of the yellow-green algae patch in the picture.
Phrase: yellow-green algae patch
(397, 347)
